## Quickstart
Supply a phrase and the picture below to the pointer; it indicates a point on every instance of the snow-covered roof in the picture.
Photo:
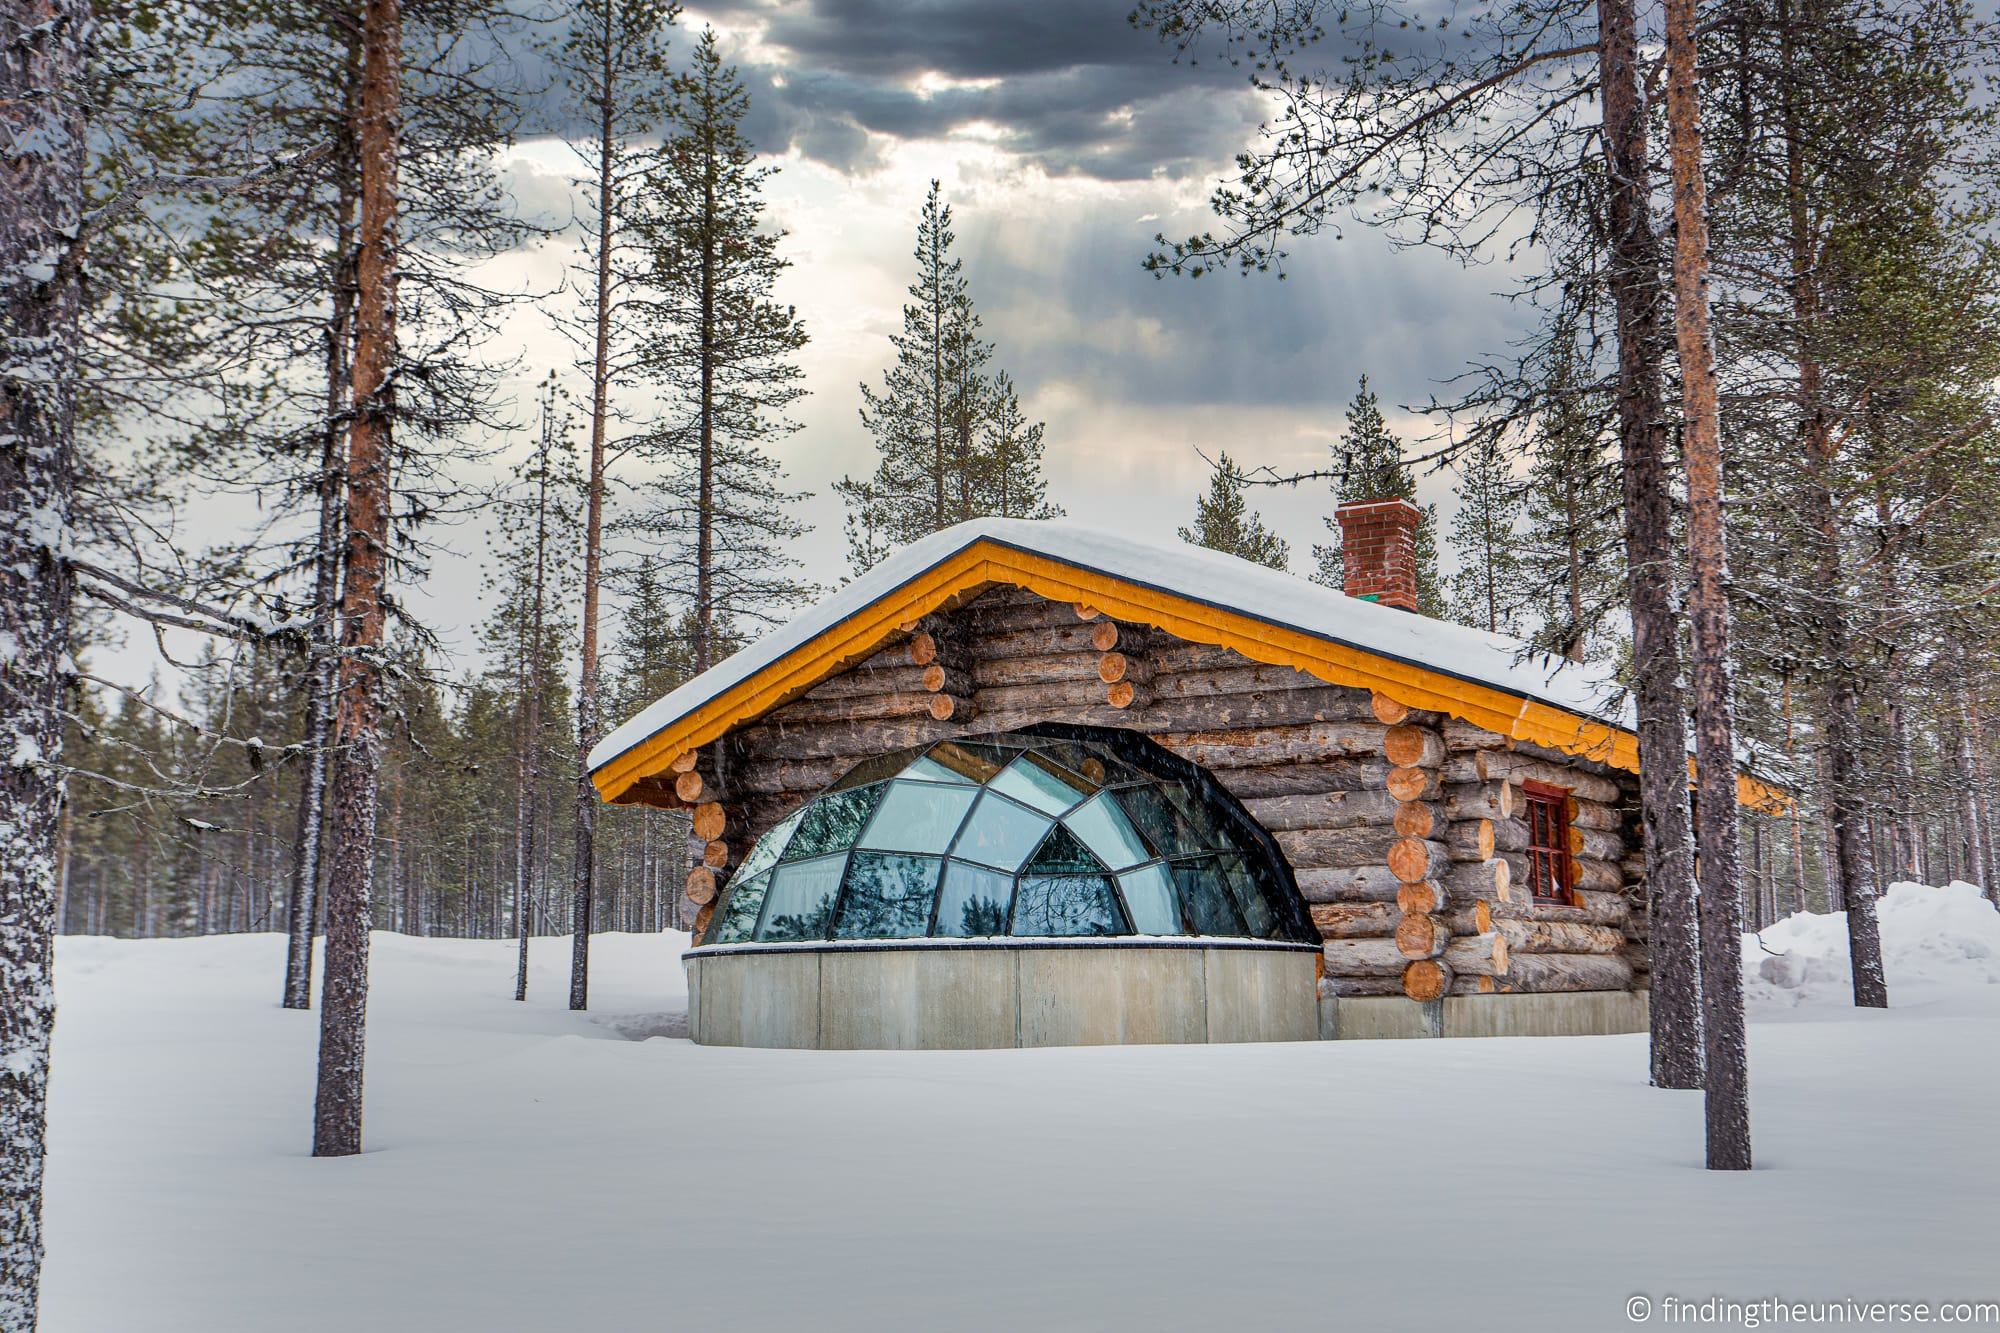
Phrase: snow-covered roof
(1198, 594)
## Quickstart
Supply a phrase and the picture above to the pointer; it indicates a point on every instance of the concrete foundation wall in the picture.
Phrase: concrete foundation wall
(964, 997)
(1568, 1014)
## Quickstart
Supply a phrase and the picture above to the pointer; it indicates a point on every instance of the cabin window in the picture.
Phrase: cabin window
(1549, 872)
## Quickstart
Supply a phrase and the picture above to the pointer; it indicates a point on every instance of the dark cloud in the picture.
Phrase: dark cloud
(1074, 87)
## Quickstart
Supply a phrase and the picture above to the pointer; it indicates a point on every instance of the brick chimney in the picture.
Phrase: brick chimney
(1378, 543)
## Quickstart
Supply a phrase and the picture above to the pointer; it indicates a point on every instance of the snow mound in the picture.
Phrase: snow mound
(1931, 938)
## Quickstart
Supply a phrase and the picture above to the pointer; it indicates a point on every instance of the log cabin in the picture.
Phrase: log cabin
(1030, 783)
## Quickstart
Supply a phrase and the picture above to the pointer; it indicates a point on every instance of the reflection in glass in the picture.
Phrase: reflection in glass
(1067, 905)
(974, 901)
(999, 833)
(1204, 900)
(918, 817)
(800, 900)
(1164, 826)
(743, 899)
(1035, 781)
(1249, 898)
(887, 898)
(833, 822)
(1151, 901)
(1061, 854)
(770, 845)
(1081, 834)
(1105, 830)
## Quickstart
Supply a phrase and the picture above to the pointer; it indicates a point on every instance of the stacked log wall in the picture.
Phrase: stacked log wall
(1404, 829)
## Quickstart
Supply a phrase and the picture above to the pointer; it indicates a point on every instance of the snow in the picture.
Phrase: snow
(1210, 576)
(1933, 940)
(531, 1169)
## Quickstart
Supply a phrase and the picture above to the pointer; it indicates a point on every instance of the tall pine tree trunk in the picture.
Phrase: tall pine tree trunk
(704, 586)
(1634, 280)
(42, 65)
(308, 844)
(583, 874)
(533, 672)
(357, 723)
(1726, 1076)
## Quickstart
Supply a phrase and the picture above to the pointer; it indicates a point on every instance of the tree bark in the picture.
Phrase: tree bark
(42, 68)
(357, 730)
(308, 842)
(583, 867)
(1725, 1074)
(1634, 280)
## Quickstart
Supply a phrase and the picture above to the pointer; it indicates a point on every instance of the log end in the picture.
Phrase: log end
(688, 787)
(1387, 710)
(701, 885)
(1427, 979)
(1111, 668)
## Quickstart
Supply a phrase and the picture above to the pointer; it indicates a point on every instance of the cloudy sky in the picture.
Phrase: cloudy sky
(1064, 139)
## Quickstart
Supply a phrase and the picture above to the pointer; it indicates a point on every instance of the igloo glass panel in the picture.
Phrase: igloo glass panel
(1205, 898)
(917, 817)
(1061, 905)
(832, 823)
(799, 903)
(1054, 831)
(973, 901)
(742, 903)
(1103, 827)
(1150, 900)
(887, 897)
(1037, 781)
(999, 833)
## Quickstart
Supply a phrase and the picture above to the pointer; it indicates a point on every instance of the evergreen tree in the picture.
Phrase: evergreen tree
(726, 352)
(1368, 465)
(1487, 591)
(1567, 565)
(613, 61)
(1223, 522)
(951, 440)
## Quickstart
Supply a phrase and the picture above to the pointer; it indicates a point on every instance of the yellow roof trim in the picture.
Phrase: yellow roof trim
(985, 563)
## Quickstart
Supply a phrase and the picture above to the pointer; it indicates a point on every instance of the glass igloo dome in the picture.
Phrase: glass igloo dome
(1052, 832)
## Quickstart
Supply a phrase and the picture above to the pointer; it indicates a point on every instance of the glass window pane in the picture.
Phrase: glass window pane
(1061, 854)
(800, 899)
(974, 762)
(974, 901)
(1151, 900)
(743, 899)
(1205, 900)
(1035, 781)
(770, 845)
(1193, 808)
(873, 770)
(927, 769)
(918, 817)
(1163, 825)
(1105, 830)
(1067, 905)
(833, 822)
(999, 833)
(888, 897)
(1249, 897)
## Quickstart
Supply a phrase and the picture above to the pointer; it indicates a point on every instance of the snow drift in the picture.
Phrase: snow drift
(1932, 939)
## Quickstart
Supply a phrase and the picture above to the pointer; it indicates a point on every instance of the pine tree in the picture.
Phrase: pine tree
(615, 64)
(1487, 590)
(1223, 521)
(951, 440)
(1567, 562)
(1368, 465)
(357, 720)
(725, 351)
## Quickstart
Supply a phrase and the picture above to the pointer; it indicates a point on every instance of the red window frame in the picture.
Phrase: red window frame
(1551, 874)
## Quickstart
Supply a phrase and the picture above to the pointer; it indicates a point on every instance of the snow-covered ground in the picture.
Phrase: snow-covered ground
(533, 1170)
